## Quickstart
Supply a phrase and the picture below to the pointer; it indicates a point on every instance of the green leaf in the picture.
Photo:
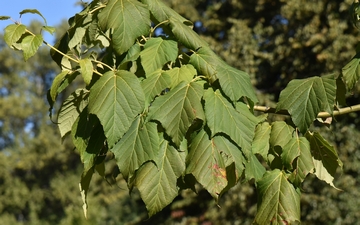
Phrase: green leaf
(129, 19)
(260, 144)
(340, 91)
(157, 183)
(132, 54)
(86, 68)
(116, 99)
(278, 200)
(32, 11)
(58, 80)
(161, 11)
(207, 165)
(30, 44)
(154, 84)
(232, 152)
(351, 72)
(223, 118)
(13, 33)
(235, 83)
(305, 98)
(280, 134)
(186, 35)
(4, 17)
(84, 188)
(139, 145)
(326, 159)
(184, 73)
(253, 168)
(49, 29)
(157, 52)
(178, 109)
(77, 37)
(205, 61)
(71, 109)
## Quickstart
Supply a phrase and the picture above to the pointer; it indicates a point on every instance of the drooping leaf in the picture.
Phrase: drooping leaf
(84, 188)
(178, 109)
(77, 37)
(222, 117)
(116, 99)
(49, 29)
(261, 144)
(154, 84)
(30, 44)
(157, 52)
(139, 145)
(161, 11)
(326, 159)
(71, 109)
(253, 168)
(13, 33)
(232, 153)
(86, 68)
(280, 134)
(235, 83)
(205, 162)
(351, 72)
(305, 98)
(54, 89)
(129, 19)
(157, 183)
(278, 200)
(186, 35)
(33, 11)
(184, 73)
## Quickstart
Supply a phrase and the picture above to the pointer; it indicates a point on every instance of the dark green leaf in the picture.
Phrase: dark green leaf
(178, 109)
(139, 145)
(260, 144)
(207, 165)
(305, 98)
(279, 201)
(253, 168)
(128, 19)
(326, 159)
(116, 99)
(4, 17)
(157, 52)
(157, 183)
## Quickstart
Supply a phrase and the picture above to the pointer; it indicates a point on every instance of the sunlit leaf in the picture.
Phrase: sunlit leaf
(178, 109)
(49, 29)
(139, 145)
(184, 73)
(155, 83)
(77, 37)
(157, 52)
(205, 162)
(13, 33)
(157, 183)
(30, 45)
(326, 159)
(129, 19)
(223, 118)
(305, 98)
(32, 11)
(278, 200)
(86, 68)
(116, 99)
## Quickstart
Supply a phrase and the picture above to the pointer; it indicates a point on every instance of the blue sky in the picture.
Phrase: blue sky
(54, 11)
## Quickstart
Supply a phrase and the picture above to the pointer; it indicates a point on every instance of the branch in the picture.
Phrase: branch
(338, 112)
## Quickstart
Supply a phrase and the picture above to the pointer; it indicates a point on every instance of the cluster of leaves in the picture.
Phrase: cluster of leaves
(172, 113)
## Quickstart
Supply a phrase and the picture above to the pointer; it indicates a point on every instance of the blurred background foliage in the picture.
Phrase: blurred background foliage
(274, 41)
